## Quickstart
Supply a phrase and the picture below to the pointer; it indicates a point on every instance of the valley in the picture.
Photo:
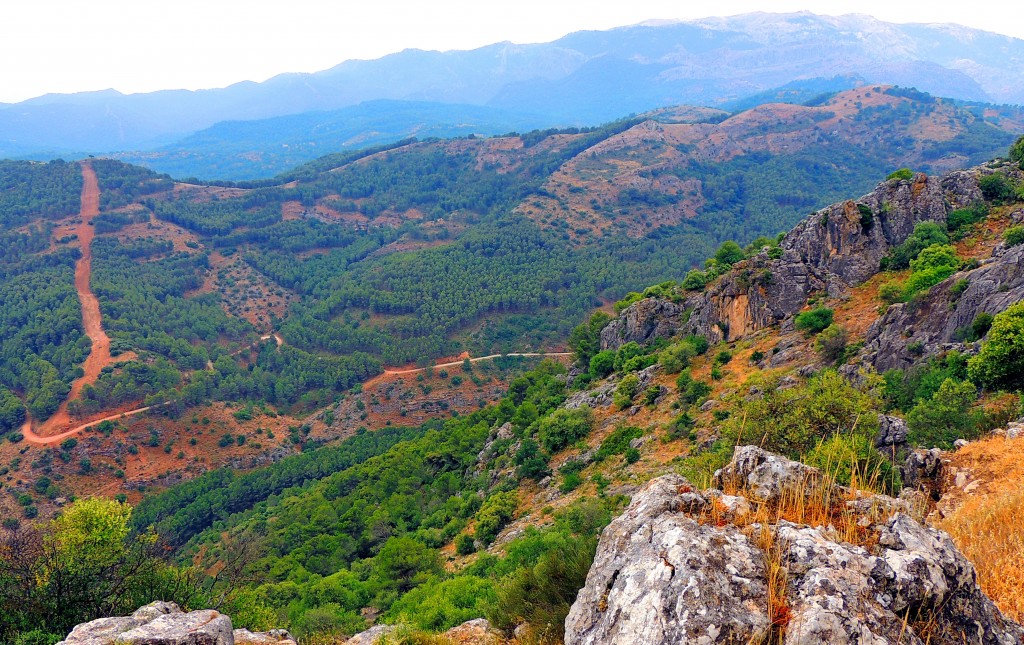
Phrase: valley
(412, 384)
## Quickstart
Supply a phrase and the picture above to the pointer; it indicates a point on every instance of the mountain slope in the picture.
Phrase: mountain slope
(585, 77)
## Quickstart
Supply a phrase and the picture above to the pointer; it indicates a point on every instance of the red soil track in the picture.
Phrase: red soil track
(92, 321)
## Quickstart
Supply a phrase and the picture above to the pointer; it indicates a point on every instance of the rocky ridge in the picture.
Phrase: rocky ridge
(828, 253)
(683, 565)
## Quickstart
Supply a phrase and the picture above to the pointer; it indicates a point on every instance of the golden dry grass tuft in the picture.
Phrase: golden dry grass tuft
(989, 529)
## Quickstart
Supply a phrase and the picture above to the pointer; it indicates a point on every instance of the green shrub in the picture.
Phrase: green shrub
(700, 468)
(496, 512)
(925, 234)
(626, 391)
(996, 188)
(675, 358)
(1017, 152)
(964, 217)
(946, 417)
(932, 265)
(540, 596)
(700, 344)
(464, 544)
(791, 421)
(632, 455)
(681, 427)
(903, 174)
(602, 364)
(729, 253)
(1000, 363)
(723, 357)
(815, 320)
(630, 298)
(37, 637)
(695, 280)
(617, 442)
(1014, 235)
(564, 427)
(831, 343)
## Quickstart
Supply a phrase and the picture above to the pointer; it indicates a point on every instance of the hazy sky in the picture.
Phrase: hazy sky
(144, 45)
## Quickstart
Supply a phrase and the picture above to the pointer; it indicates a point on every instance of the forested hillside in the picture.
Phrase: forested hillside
(285, 294)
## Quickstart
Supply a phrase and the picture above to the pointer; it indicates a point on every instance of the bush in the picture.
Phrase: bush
(37, 637)
(676, 358)
(700, 344)
(1000, 363)
(831, 343)
(495, 513)
(681, 427)
(932, 265)
(626, 391)
(540, 596)
(925, 234)
(464, 544)
(723, 357)
(946, 417)
(903, 174)
(1014, 235)
(1017, 152)
(996, 188)
(602, 364)
(564, 427)
(815, 320)
(964, 217)
(617, 442)
(729, 253)
(891, 292)
(695, 280)
(793, 420)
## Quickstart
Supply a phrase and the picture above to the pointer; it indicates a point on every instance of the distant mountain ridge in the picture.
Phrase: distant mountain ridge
(583, 78)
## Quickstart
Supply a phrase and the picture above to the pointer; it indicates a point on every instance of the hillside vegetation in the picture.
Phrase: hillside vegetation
(495, 513)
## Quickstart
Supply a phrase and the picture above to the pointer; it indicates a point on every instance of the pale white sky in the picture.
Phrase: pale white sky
(144, 45)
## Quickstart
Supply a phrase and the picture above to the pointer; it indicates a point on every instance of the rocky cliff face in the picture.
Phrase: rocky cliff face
(930, 324)
(832, 250)
(682, 565)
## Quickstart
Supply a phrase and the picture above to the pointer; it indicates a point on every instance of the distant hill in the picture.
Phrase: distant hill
(263, 148)
(583, 78)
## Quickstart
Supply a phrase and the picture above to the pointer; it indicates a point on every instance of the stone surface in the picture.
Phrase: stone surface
(204, 627)
(642, 322)
(163, 623)
(667, 571)
(273, 637)
(832, 250)
(930, 325)
(765, 475)
(654, 559)
(922, 470)
(892, 431)
(371, 636)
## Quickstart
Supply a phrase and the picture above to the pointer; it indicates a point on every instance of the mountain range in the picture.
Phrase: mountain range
(583, 78)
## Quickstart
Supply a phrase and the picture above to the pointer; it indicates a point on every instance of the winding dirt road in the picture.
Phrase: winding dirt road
(472, 360)
(92, 321)
(59, 426)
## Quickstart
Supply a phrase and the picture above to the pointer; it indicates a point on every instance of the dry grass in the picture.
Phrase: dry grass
(990, 531)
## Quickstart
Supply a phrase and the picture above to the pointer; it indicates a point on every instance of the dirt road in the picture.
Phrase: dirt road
(472, 360)
(92, 321)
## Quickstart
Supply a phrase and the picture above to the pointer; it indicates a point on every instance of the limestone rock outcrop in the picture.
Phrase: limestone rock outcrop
(677, 566)
(934, 322)
(164, 623)
(830, 251)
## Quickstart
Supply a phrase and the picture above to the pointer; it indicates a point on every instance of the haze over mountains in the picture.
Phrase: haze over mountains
(583, 78)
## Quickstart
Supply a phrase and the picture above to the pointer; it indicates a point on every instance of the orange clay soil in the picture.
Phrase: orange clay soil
(99, 355)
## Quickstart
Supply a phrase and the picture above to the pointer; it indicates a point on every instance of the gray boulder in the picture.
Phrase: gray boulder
(642, 322)
(164, 623)
(675, 568)
(892, 431)
(766, 476)
(204, 627)
(653, 560)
